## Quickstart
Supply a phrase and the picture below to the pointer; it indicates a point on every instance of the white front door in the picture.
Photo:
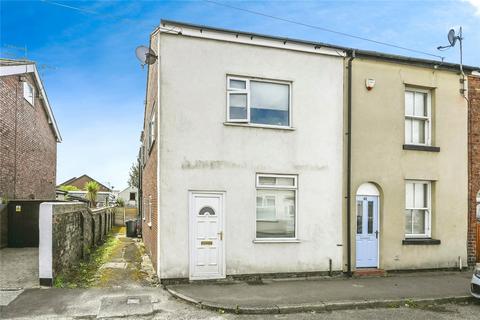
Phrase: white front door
(207, 256)
(367, 232)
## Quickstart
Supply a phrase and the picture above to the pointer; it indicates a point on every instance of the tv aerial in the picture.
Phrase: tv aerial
(146, 55)
(453, 37)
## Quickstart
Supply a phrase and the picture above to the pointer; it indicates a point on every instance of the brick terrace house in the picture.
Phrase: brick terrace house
(474, 168)
(28, 134)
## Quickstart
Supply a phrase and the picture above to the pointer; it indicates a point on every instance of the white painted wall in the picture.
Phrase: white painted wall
(199, 152)
(45, 249)
(125, 195)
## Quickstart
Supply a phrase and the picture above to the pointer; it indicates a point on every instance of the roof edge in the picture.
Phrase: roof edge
(359, 52)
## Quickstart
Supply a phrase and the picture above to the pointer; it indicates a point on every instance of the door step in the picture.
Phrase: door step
(367, 272)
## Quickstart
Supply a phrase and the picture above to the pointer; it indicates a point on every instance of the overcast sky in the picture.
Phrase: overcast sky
(96, 87)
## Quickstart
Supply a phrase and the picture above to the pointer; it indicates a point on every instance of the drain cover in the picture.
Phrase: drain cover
(119, 306)
(133, 300)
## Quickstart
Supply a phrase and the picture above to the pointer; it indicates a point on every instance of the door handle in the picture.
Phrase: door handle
(220, 235)
(376, 234)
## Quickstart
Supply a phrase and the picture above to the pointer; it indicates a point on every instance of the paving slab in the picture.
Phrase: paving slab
(282, 296)
(7, 296)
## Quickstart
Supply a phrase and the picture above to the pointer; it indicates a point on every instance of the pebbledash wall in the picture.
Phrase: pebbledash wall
(199, 151)
(474, 160)
(28, 144)
(68, 233)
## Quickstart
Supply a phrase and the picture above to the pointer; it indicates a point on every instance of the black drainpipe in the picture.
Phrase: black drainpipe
(349, 164)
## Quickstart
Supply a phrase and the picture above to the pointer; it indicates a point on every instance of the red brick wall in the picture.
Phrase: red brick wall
(149, 175)
(474, 165)
(149, 187)
(28, 147)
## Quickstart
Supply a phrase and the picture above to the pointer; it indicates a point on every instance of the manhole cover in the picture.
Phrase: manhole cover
(125, 306)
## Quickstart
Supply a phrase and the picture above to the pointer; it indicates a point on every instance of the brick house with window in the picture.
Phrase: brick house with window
(80, 182)
(28, 134)
(266, 155)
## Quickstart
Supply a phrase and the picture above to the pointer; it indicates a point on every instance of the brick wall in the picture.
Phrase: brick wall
(28, 145)
(149, 187)
(149, 174)
(474, 166)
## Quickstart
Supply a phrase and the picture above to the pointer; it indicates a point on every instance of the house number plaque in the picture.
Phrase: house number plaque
(206, 243)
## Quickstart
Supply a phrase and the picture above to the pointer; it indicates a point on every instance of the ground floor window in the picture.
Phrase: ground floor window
(418, 209)
(276, 206)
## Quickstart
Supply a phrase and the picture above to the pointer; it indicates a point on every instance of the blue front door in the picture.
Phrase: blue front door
(367, 232)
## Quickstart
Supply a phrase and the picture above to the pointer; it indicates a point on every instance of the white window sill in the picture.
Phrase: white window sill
(30, 103)
(254, 125)
(417, 236)
(276, 241)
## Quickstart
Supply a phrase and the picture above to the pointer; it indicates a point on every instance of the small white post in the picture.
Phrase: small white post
(45, 260)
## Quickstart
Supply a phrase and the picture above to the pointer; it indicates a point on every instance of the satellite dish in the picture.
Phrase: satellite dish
(145, 55)
(451, 37)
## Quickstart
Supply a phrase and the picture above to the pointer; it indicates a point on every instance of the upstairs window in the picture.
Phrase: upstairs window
(256, 101)
(418, 117)
(28, 92)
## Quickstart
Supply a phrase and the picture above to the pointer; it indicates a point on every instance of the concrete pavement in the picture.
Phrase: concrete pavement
(289, 296)
(156, 303)
(19, 268)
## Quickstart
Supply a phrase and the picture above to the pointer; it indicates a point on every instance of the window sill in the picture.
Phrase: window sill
(262, 126)
(420, 148)
(276, 241)
(420, 241)
(30, 103)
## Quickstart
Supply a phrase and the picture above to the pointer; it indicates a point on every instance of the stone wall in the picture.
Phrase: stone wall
(474, 164)
(76, 229)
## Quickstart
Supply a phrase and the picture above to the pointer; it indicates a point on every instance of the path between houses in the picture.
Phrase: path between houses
(127, 265)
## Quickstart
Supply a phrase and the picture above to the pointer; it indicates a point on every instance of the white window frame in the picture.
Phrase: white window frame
(428, 210)
(144, 206)
(247, 92)
(427, 119)
(294, 188)
(151, 129)
(29, 99)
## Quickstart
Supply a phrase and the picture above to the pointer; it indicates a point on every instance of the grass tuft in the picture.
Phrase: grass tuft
(84, 274)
